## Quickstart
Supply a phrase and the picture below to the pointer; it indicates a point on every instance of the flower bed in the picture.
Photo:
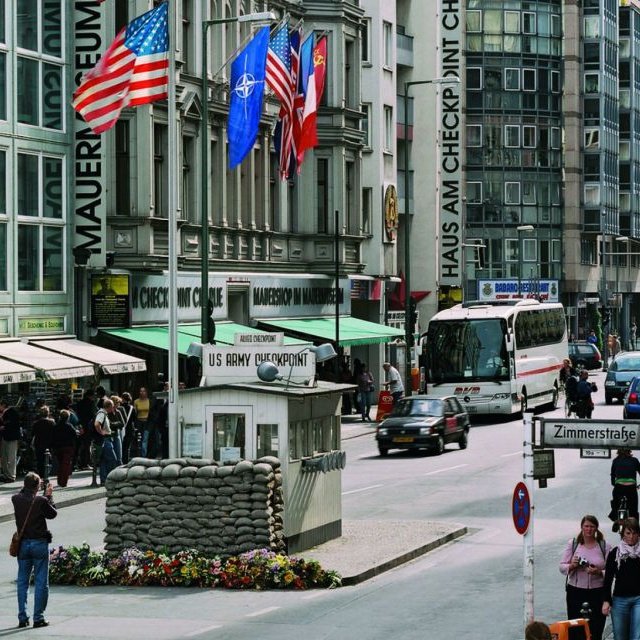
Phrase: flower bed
(259, 569)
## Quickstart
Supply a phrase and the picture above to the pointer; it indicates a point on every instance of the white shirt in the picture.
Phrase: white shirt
(394, 380)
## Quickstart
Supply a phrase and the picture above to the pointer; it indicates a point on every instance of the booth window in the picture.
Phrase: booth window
(228, 431)
(267, 444)
(311, 437)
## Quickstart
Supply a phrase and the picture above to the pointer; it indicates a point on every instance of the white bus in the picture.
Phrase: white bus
(497, 357)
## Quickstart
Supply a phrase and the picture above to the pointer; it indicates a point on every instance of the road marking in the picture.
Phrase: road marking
(198, 632)
(255, 614)
(458, 466)
(373, 486)
(515, 453)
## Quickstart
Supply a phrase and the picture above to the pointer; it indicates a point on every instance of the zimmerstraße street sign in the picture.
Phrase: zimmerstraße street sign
(590, 434)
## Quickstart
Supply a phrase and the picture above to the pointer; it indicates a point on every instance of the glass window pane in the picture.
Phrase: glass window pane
(3, 183)
(3, 86)
(52, 28)
(28, 94)
(3, 257)
(512, 22)
(3, 37)
(592, 26)
(591, 83)
(27, 185)
(474, 21)
(474, 135)
(28, 258)
(267, 440)
(52, 259)
(52, 96)
(27, 24)
(53, 188)
(512, 79)
(492, 21)
(228, 431)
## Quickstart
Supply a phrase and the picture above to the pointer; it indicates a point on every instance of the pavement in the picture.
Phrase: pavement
(365, 549)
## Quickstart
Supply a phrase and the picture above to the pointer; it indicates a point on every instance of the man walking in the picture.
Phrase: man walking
(393, 381)
(32, 512)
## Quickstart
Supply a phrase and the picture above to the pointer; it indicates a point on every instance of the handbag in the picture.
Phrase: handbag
(16, 538)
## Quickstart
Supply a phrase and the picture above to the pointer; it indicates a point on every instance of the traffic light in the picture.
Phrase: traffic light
(211, 325)
(605, 312)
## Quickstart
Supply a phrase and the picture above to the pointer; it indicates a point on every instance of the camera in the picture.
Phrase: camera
(583, 562)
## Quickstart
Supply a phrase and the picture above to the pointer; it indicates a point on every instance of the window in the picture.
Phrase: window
(474, 78)
(40, 189)
(3, 257)
(187, 38)
(592, 26)
(555, 137)
(322, 195)
(3, 183)
(528, 192)
(39, 37)
(474, 135)
(387, 35)
(625, 48)
(556, 28)
(529, 136)
(474, 192)
(388, 129)
(189, 188)
(350, 195)
(592, 82)
(512, 79)
(591, 139)
(529, 79)
(528, 22)
(474, 21)
(267, 440)
(529, 250)
(555, 82)
(3, 83)
(512, 193)
(160, 171)
(351, 72)
(365, 124)
(365, 42)
(367, 209)
(228, 432)
(512, 135)
(122, 168)
(512, 22)
(591, 195)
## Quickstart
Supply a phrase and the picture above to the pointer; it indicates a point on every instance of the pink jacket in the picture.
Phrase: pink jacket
(580, 578)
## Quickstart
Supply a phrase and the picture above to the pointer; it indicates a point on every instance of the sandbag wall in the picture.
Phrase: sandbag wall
(198, 504)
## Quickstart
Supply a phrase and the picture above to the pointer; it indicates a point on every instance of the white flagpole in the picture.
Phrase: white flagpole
(174, 427)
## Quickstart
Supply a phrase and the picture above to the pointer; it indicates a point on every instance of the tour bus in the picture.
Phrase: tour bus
(497, 357)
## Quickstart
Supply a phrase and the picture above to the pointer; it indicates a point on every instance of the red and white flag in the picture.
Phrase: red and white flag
(133, 71)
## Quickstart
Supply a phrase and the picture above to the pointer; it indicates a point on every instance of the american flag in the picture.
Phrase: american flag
(133, 71)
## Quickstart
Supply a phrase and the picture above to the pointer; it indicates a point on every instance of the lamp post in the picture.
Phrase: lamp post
(407, 225)
(524, 228)
(619, 299)
(476, 246)
(204, 127)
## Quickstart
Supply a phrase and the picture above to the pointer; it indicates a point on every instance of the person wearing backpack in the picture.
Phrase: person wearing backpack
(583, 562)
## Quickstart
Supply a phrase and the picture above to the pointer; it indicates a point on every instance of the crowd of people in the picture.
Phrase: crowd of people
(578, 390)
(100, 430)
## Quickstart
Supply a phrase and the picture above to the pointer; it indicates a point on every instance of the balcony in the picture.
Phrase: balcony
(404, 48)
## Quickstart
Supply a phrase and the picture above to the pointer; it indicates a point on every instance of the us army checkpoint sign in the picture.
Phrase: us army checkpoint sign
(590, 434)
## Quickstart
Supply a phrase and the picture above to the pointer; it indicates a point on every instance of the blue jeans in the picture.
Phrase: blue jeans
(155, 436)
(625, 617)
(117, 447)
(108, 460)
(33, 556)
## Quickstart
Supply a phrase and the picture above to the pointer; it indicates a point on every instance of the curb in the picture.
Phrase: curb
(66, 502)
(404, 558)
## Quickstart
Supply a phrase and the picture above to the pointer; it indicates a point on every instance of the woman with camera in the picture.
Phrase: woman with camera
(583, 562)
(623, 598)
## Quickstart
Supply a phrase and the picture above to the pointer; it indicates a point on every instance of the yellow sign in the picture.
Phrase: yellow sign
(110, 285)
(41, 325)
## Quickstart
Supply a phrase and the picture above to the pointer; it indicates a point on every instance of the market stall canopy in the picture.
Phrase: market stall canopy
(158, 336)
(110, 362)
(51, 365)
(11, 372)
(352, 331)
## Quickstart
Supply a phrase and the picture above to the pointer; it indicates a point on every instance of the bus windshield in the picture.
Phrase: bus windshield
(467, 351)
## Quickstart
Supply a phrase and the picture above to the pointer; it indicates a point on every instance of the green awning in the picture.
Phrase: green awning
(158, 337)
(352, 331)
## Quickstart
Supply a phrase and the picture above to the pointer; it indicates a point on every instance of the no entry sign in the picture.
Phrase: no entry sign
(521, 508)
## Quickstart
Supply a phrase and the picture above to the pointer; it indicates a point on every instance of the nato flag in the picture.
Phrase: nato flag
(247, 92)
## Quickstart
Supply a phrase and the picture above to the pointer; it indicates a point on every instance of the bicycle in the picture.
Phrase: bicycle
(569, 404)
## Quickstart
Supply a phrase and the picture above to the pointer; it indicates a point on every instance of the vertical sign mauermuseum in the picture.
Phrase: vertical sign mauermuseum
(450, 157)
(89, 152)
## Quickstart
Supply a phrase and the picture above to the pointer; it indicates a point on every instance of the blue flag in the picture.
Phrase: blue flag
(247, 93)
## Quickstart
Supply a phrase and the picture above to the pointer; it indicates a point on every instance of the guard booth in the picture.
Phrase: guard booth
(235, 415)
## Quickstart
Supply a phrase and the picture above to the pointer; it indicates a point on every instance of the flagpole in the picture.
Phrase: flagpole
(173, 427)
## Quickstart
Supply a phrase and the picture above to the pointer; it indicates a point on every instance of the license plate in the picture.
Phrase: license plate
(403, 439)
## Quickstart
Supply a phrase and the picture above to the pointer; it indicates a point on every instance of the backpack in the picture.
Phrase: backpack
(571, 387)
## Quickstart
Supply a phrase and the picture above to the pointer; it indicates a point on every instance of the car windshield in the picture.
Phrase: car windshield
(626, 364)
(418, 408)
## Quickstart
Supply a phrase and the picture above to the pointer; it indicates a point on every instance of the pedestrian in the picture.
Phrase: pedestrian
(9, 439)
(623, 567)
(592, 338)
(86, 410)
(32, 512)
(366, 387)
(393, 381)
(632, 334)
(64, 445)
(42, 438)
(142, 405)
(624, 470)
(129, 417)
(583, 562)
(537, 630)
(104, 440)
(567, 371)
(583, 394)
(116, 420)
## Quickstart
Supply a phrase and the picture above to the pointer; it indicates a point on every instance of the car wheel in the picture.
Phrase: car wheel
(383, 451)
(439, 448)
(608, 399)
(464, 440)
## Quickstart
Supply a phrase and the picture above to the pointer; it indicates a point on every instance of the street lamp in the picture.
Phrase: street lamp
(407, 225)
(265, 16)
(524, 228)
(476, 260)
